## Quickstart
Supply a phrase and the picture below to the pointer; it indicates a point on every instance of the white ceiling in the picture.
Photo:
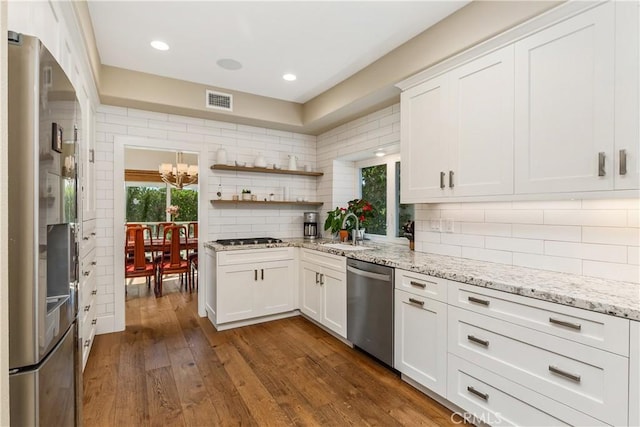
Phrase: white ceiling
(322, 42)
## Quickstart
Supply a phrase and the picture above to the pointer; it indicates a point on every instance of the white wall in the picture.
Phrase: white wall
(597, 238)
(150, 159)
(243, 143)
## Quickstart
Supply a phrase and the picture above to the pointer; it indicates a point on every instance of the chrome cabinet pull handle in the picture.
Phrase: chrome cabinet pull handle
(568, 375)
(442, 180)
(94, 321)
(601, 171)
(94, 292)
(483, 396)
(483, 343)
(255, 275)
(93, 233)
(87, 307)
(262, 274)
(87, 343)
(416, 302)
(85, 238)
(418, 284)
(623, 162)
(571, 325)
(450, 179)
(94, 262)
(86, 273)
(317, 281)
(322, 279)
(479, 301)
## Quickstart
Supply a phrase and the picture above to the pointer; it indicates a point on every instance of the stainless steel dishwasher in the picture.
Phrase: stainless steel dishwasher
(370, 308)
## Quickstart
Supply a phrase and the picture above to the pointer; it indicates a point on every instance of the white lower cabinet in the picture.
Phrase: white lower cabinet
(251, 283)
(421, 340)
(495, 400)
(87, 294)
(634, 374)
(323, 290)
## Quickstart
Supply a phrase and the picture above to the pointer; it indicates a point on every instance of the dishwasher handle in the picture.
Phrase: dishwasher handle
(369, 274)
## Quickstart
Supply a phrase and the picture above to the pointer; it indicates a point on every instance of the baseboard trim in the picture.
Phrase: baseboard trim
(254, 321)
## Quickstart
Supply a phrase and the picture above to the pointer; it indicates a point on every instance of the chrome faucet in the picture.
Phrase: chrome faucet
(354, 235)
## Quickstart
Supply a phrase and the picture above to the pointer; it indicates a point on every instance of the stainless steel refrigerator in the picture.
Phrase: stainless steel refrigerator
(44, 346)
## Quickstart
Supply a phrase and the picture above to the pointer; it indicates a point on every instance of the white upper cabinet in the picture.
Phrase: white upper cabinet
(457, 131)
(564, 121)
(551, 106)
(424, 141)
(481, 141)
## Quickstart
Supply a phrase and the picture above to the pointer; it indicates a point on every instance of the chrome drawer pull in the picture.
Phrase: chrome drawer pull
(94, 321)
(94, 262)
(623, 162)
(94, 292)
(483, 343)
(418, 284)
(483, 396)
(416, 302)
(87, 343)
(478, 301)
(601, 171)
(442, 175)
(569, 375)
(555, 321)
(86, 273)
(87, 307)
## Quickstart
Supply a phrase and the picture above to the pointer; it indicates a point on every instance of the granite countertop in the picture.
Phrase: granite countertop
(621, 299)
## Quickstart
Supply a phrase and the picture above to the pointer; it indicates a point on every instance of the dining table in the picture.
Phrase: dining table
(155, 245)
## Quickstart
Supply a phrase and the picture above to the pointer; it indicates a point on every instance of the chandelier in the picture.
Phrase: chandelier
(179, 175)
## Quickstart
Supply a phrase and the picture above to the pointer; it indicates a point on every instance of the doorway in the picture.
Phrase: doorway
(147, 148)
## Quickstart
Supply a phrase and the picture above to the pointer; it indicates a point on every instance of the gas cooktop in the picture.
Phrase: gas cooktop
(248, 241)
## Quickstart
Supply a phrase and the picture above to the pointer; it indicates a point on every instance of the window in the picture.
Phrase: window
(380, 185)
(147, 202)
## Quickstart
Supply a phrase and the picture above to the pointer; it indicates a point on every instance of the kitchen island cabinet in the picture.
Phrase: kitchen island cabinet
(249, 286)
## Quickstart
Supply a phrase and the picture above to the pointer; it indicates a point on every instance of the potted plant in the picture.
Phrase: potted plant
(334, 220)
(246, 194)
(363, 210)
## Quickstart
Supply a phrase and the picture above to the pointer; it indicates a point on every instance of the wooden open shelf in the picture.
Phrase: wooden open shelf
(262, 202)
(264, 170)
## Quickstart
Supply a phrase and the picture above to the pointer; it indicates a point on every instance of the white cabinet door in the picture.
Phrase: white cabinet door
(421, 340)
(310, 294)
(564, 105)
(235, 286)
(481, 143)
(424, 139)
(334, 295)
(274, 288)
(627, 149)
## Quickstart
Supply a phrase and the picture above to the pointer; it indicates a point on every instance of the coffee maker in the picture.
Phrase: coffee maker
(310, 225)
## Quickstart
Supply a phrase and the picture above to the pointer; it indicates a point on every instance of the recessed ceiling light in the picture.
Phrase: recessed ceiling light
(289, 77)
(160, 45)
(228, 64)
(380, 153)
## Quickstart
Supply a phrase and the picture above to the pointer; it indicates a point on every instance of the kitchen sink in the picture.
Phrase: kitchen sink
(346, 247)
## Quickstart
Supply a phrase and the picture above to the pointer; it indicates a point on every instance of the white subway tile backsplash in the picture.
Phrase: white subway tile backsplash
(548, 204)
(490, 255)
(466, 240)
(607, 270)
(544, 262)
(513, 244)
(599, 218)
(438, 248)
(611, 235)
(486, 229)
(633, 255)
(608, 253)
(547, 232)
(514, 216)
(633, 219)
(609, 204)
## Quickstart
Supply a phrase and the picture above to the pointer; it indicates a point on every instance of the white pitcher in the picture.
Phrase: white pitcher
(293, 165)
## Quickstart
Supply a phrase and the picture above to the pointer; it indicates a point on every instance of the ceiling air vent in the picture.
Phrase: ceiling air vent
(219, 100)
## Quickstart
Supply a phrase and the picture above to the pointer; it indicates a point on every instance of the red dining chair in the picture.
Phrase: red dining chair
(139, 266)
(193, 258)
(172, 261)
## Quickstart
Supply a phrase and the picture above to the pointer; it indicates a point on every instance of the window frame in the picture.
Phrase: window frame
(160, 185)
(390, 160)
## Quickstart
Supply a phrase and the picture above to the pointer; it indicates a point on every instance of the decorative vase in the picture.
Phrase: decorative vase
(246, 196)
(344, 235)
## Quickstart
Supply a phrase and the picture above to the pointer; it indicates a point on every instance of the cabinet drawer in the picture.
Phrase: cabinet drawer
(586, 327)
(497, 401)
(88, 237)
(587, 379)
(88, 332)
(323, 259)
(421, 284)
(254, 255)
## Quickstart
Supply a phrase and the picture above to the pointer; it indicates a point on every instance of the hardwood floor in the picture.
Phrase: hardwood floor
(171, 367)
